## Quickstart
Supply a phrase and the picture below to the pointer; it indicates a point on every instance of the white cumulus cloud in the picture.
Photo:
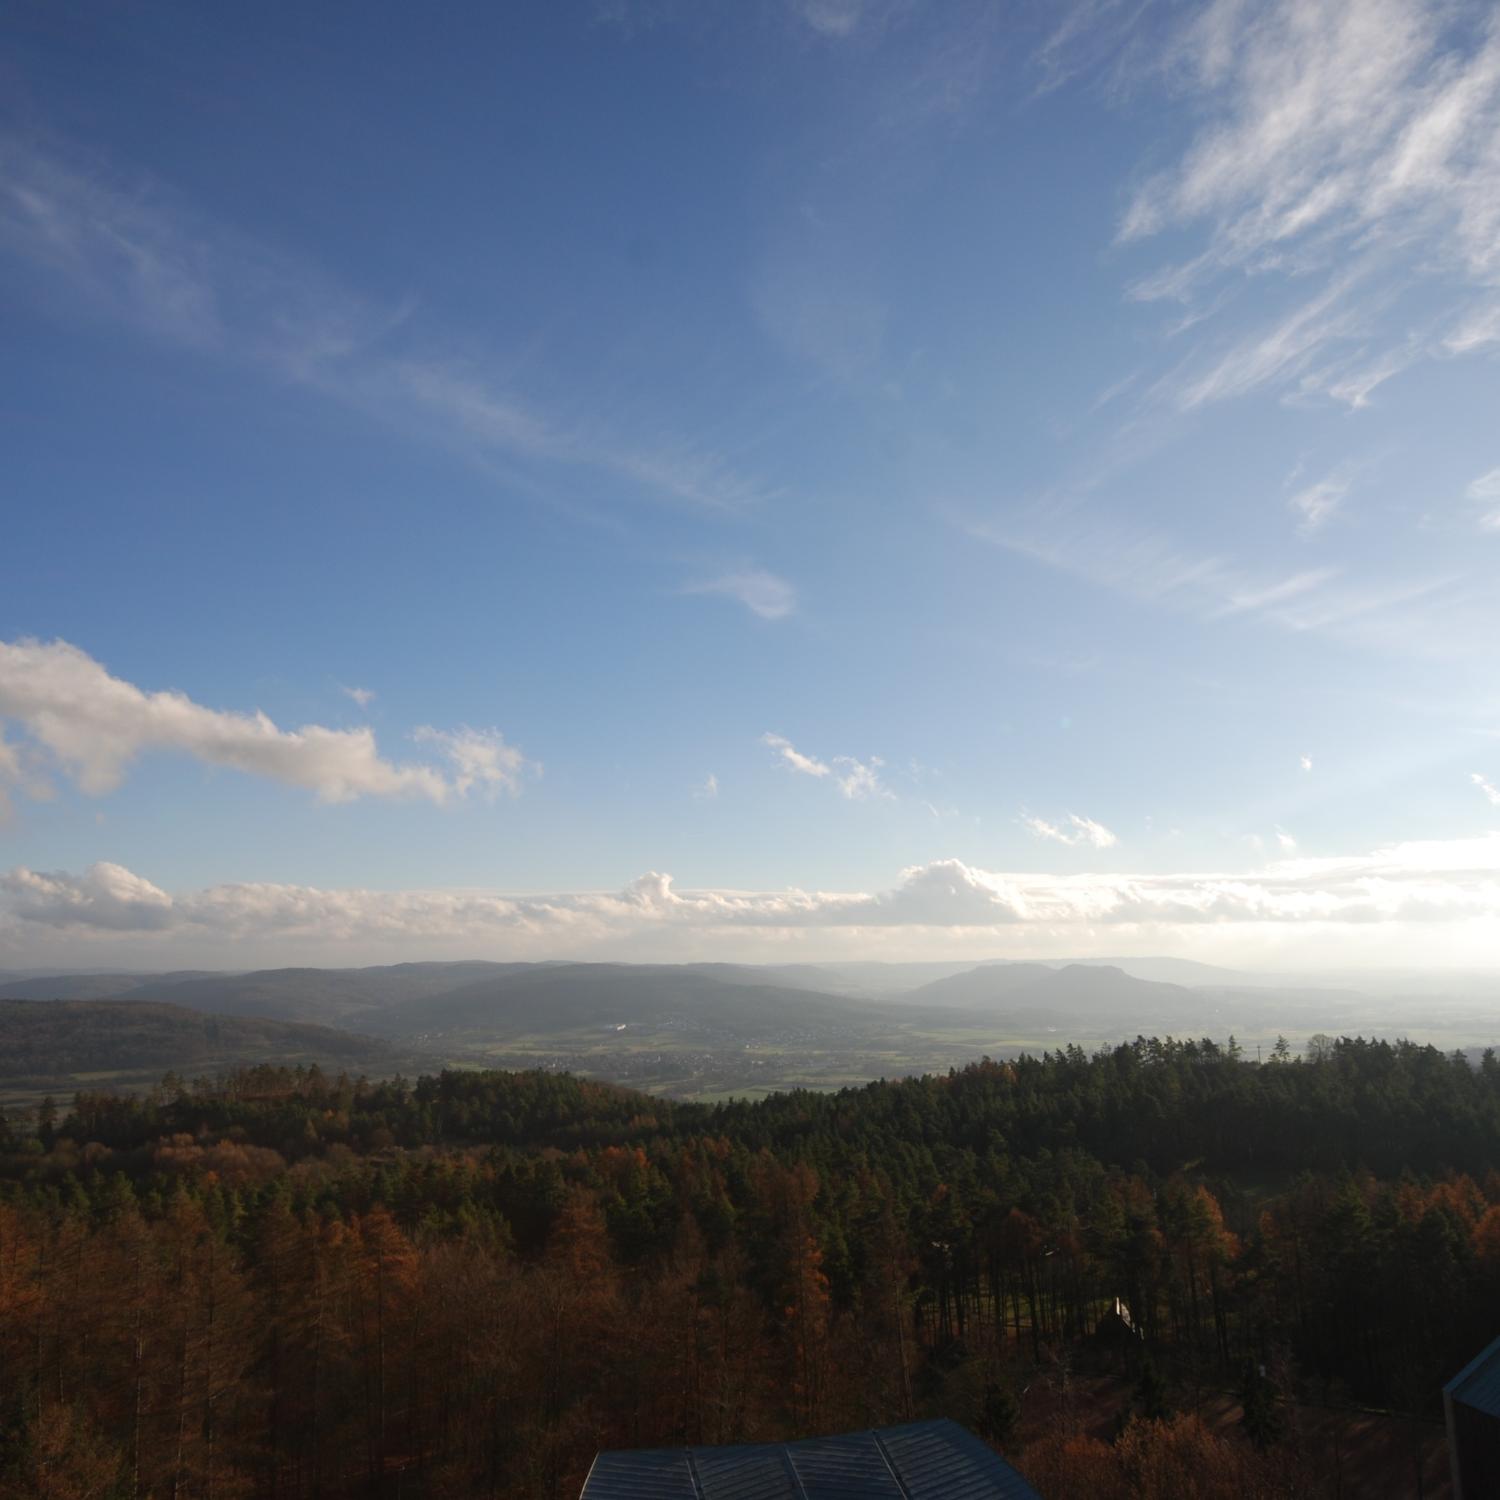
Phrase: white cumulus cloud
(794, 758)
(480, 758)
(105, 895)
(1079, 830)
(91, 725)
(858, 780)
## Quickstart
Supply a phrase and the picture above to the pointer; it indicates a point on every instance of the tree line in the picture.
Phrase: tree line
(282, 1283)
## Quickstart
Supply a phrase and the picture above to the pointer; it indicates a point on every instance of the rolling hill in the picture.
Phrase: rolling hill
(693, 999)
(707, 1028)
(506, 1000)
(58, 1046)
(1095, 991)
(325, 996)
(101, 986)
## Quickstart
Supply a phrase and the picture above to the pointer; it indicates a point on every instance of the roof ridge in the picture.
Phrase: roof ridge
(890, 1463)
(791, 1468)
(1482, 1358)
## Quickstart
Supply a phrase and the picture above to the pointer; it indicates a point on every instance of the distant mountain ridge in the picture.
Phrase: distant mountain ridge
(721, 1001)
(696, 1030)
(90, 986)
(1088, 989)
(334, 992)
(465, 1006)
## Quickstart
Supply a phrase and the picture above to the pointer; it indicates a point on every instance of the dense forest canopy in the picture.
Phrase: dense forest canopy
(289, 1283)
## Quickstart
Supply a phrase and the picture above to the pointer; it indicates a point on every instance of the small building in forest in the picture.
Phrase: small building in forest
(1117, 1328)
(916, 1461)
(1471, 1407)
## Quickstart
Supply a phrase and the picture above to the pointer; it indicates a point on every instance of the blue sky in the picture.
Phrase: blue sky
(927, 480)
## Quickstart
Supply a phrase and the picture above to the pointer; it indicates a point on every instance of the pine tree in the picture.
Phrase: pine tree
(1262, 1418)
(999, 1413)
(1151, 1391)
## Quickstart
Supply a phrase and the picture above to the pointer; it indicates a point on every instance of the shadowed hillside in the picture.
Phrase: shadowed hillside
(563, 997)
(55, 1046)
(103, 986)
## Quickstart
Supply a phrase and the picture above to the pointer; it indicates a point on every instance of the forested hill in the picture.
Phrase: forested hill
(1373, 1105)
(129, 1041)
(100, 986)
(467, 1284)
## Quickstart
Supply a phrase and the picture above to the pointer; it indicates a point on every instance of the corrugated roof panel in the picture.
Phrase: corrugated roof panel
(1478, 1383)
(850, 1467)
(918, 1461)
(943, 1461)
(759, 1471)
(653, 1474)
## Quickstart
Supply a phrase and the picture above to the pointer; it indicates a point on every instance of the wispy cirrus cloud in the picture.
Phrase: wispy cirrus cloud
(846, 20)
(1485, 492)
(362, 696)
(1271, 355)
(1315, 503)
(831, 18)
(1335, 116)
(1487, 787)
(762, 593)
(1476, 328)
(1352, 146)
(130, 252)
(89, 725)
(1256, 597)
(1153, 567)
(1089, 36)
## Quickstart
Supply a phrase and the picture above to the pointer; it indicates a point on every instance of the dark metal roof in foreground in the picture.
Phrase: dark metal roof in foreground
(1478, 1383)
(919, 1461)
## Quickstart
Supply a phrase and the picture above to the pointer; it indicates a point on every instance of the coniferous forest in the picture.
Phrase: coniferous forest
(283, 1283)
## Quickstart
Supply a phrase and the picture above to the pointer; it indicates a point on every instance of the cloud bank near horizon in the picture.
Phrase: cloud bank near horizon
(933, 907)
